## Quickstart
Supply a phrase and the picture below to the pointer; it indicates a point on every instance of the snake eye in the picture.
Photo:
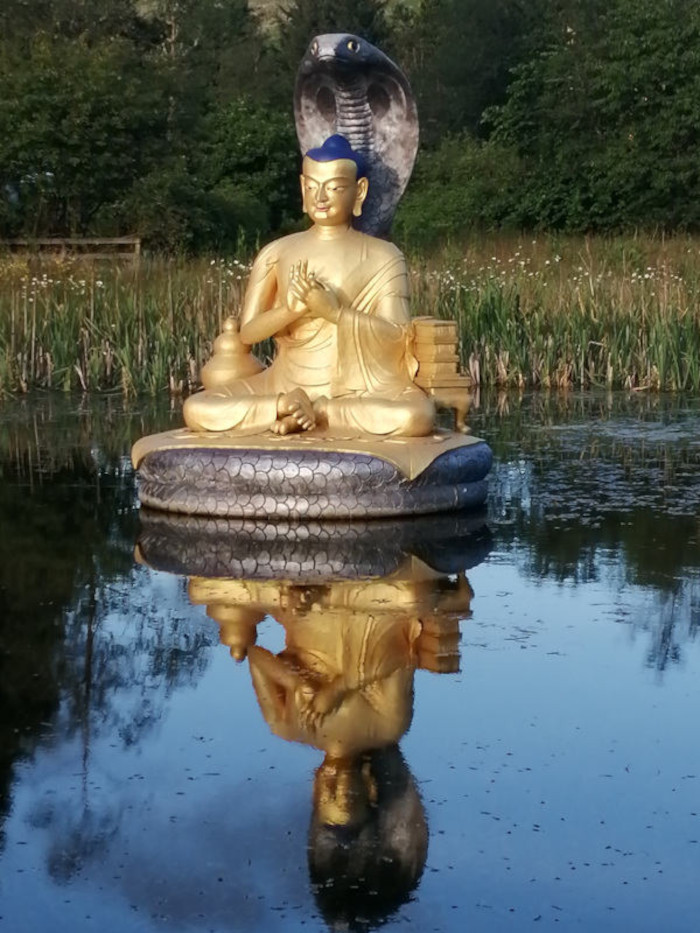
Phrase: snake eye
(354, 45)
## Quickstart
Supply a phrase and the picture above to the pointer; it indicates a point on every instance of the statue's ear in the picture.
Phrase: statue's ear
(303, 194)
(362, 188)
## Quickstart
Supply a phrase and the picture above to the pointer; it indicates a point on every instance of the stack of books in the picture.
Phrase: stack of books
(435, 345)
(435, 348)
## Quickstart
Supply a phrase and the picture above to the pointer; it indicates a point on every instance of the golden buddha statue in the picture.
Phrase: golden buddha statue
(336, 303)
(342, 423)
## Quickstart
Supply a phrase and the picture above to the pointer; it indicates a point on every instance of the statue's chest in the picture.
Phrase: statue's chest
(335, 265)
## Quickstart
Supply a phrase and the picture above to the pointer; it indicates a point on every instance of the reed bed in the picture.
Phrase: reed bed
(112, 327)
(538, 311)
(554, 312)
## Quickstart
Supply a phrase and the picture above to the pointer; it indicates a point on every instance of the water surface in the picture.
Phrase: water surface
(489, 725)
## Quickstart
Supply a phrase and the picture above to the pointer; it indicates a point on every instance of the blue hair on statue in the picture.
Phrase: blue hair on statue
(337, 147)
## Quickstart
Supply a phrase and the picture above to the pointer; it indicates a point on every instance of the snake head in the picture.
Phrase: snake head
(339, 50)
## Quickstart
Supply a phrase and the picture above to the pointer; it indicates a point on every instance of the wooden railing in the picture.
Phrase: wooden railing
(124, 248)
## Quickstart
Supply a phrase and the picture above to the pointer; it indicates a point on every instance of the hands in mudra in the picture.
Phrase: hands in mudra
(307, 294)
(315, 700)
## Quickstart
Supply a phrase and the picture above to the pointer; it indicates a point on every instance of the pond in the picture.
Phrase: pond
(485, 722)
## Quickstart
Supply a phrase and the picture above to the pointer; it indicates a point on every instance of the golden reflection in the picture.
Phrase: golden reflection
(343, 683)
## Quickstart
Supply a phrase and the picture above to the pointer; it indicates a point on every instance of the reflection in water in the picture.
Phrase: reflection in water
(67, 512)
(80, 656)
(343, 683)
(593, 488)
(116, 782)
(115, 677)
(366, 858)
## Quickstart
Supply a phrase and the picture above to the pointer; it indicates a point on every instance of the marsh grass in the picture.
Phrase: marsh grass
(112, 327)
(559, 312)
(536, 311)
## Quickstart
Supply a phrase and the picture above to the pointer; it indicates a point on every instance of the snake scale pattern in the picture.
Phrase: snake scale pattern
(310, 552)
(302, 484)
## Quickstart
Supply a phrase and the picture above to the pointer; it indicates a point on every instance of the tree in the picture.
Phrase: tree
(458, 54)
(107, 108)
(462, 185)
(239, 183)
(606, 118)
(81, 121)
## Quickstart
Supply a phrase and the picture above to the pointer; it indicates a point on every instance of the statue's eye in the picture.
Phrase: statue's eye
(314, 47)
(354, 45)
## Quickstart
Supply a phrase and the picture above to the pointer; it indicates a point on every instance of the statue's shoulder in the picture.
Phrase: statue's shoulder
(277, 249)
(382, 250)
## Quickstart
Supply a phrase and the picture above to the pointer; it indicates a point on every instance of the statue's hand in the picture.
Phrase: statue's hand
(300, 283)
(316, 701)
(323, 302)
(307, 294)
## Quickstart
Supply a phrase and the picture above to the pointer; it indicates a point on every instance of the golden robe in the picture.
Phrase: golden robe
(362, 365)
(368, 661)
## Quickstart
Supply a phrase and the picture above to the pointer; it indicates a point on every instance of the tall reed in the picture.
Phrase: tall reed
(543, 311)
(549, 312)
(107, 326)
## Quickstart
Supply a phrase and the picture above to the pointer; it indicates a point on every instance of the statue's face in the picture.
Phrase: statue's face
(331, 191)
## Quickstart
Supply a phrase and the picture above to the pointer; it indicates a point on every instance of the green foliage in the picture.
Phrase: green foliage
(117, 118)
(251, 153)
(92, 20)
(240, 184)
(81, 123)
(458, 54)
(606, 119)
(463, 185)
(172, 118)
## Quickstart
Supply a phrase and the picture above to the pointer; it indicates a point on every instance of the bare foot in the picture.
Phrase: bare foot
(286, 425)
(294, 413)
